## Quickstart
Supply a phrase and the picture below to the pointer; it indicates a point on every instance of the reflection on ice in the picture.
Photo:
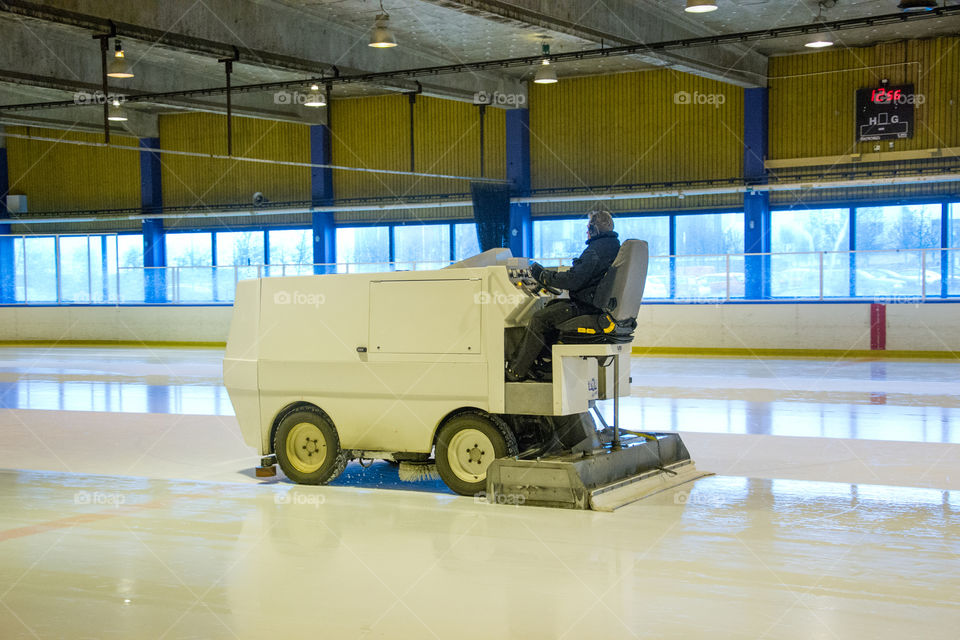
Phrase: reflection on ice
(119, 397)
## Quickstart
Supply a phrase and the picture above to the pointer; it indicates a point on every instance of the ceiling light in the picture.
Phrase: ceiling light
(315, 98)
(820, 40)
(700, 6)
(917, 5)
(546, 73)
(382, 37)
(116, 113)
(119, 67)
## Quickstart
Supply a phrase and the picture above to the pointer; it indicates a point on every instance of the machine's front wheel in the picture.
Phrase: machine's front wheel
(308, 447)
(466, 445)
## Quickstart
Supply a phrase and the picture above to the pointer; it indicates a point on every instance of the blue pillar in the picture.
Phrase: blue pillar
(756, 205)
(518, 173)
(7, 276)
(321, 193)
(151, 202)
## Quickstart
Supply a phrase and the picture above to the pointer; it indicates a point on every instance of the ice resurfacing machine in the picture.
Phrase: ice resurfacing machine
(409, 367)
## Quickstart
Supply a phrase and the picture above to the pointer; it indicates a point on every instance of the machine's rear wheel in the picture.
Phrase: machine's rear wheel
(308, 447)
(466, 445)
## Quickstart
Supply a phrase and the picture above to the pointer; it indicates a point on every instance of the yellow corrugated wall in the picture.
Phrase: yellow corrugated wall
(812, 96)
(370, 133)
(191, 181)
(631, 128)
(375, 133)
(64, 177)
(447, 140)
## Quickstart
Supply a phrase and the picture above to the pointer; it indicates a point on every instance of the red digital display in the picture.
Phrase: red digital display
(886, 96)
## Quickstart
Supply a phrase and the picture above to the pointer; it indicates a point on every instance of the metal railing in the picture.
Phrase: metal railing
(904, 275)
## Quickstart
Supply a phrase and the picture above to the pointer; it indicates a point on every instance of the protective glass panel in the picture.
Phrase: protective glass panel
(803, 242)
(188, 249)
(466, 243)
(291, 247)
(422, 246)
(243, 248)
(896, 273)
(40, 269)
(239, 256)
(19, 271)
(193, 281)
(76, 278)
(558, 242)
(654, 229)
(658, 278)
(130, 267)
(363, 249)
(710, 234)
(915, 226)
(953, 256)
(703, 279)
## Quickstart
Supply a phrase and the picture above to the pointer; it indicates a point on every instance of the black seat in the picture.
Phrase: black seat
(618, 298)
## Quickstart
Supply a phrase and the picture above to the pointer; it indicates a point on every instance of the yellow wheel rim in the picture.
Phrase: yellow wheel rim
(469, 453)
(306, 447)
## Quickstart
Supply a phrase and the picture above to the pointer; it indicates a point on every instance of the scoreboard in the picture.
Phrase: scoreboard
(885, 112)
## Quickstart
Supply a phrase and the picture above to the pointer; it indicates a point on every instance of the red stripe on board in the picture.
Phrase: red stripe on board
(878, 327)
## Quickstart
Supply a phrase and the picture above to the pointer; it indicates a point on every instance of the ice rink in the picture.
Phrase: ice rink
(130, 510)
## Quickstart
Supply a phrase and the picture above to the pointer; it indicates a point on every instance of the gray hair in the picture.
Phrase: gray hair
(601, 219)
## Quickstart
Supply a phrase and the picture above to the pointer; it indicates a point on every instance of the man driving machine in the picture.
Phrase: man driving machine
(581, 280)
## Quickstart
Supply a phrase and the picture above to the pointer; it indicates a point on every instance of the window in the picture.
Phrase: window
(131, 271)
(703, 242)
(291, 252)
(189, 249)
(239, 256)
(801, 236)
(19, 273)
(88, 268)
(422, 246)
(908, 271)
(192, 281)
(465, 241)
(710, 234)
(558, 242)
(244, 248)
(40, 269)
(901, 227)
(364, 249)
(654, 229)
(953, 262)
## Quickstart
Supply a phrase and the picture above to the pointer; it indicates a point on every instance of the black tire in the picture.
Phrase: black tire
(459, 447)
(308, 448)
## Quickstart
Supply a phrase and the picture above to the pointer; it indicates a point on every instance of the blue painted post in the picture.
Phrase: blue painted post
(321, 194)
(518, 173)
(756, 205)
(151, 202)
(7, 275)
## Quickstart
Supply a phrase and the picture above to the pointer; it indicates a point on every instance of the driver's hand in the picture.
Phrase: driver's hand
(535, 270)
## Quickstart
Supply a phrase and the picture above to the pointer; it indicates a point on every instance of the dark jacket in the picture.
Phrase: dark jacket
(587, 270)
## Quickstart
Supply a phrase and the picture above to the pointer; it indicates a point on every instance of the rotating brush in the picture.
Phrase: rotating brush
(417, 471)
